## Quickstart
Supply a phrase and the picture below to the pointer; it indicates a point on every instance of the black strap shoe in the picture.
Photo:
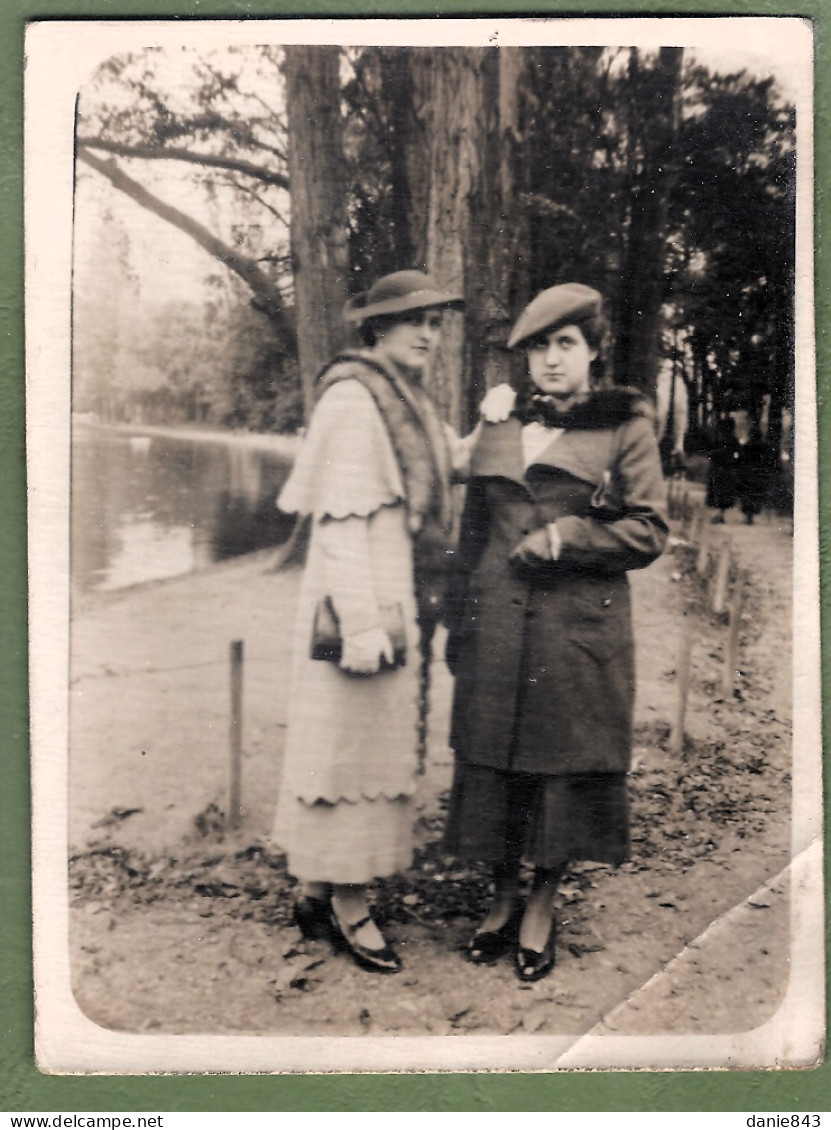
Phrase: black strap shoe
(486, 946)
(385, 960)
(531, 965)
(312, 917)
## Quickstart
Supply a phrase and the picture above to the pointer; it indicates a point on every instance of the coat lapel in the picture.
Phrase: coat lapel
(498, 454)
(584, 454)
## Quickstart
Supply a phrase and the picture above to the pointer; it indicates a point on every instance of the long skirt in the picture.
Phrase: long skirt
(347, 841)
(496, 816)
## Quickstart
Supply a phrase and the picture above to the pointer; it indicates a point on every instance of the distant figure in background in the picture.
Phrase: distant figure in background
(740, 467)
(753, 465)
(721, 476)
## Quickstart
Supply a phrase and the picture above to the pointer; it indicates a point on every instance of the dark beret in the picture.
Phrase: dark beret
(556, 306)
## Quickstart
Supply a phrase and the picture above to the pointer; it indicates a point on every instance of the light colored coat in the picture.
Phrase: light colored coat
(351, 736)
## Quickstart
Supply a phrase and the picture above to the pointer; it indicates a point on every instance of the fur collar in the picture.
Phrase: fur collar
(417, 435)
(603, 408)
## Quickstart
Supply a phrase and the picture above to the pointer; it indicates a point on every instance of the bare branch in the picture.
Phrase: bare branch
(278, 117)
(171, 153)
(267, 296)
(231, 182)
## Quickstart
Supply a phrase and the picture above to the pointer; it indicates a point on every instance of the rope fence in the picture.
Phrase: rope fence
(715, 565)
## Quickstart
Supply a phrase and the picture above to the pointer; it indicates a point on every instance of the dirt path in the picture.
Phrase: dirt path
(181, 926)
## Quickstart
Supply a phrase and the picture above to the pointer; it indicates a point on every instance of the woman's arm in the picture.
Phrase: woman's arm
(639, 535)
(346, 465)
(350, 582)
(344, 546)
(494, 409)
(461, 450)
(349, 473)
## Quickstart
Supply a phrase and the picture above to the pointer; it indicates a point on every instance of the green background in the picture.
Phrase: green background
(22, 1087)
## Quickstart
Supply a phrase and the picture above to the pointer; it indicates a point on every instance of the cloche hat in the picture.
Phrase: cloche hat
(398, 293)
(556, 306)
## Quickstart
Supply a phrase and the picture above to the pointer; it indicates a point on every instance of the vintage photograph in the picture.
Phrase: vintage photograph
(421, 440)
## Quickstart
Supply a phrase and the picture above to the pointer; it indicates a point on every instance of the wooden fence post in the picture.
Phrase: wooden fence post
(235, 789)
(721, 577)
(682, 670)
(732, 653)
(703, 560)
(685, 512)
(696, 523)
(675, 508)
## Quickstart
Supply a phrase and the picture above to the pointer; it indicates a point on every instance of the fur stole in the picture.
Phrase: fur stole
(420, 445)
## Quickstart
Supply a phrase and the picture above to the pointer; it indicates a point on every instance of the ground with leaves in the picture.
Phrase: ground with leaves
(181, 924)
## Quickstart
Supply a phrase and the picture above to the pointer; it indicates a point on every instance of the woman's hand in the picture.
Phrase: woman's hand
(364, 652)
(537, 547)
(498, 404)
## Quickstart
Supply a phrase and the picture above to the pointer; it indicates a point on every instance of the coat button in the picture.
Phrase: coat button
(607, 602)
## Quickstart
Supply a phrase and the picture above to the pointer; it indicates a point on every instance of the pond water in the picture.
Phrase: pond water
(147, 507)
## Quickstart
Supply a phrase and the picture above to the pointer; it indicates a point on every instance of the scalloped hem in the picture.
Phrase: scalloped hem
(356, 797)
(359, 511)
(353, 842)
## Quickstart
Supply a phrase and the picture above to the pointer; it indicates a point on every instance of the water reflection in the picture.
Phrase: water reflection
(150, 507)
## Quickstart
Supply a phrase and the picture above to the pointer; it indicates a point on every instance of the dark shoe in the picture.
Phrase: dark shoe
(531, 965)
(487, 945)
(385, 960)
(312, 917)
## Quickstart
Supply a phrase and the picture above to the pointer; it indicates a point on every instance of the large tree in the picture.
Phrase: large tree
(432, 140)
(653, 160)
(319, 238)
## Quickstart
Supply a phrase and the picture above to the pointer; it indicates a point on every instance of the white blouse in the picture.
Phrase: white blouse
(535, 439)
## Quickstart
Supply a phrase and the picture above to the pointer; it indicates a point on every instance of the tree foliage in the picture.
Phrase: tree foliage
(668, 186)
(221, 121)
(731, 279)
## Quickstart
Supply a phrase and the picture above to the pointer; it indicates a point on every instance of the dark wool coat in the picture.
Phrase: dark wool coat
(544, 655)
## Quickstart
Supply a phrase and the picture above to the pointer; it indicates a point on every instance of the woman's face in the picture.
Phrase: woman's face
(559, 362)
(411, 340)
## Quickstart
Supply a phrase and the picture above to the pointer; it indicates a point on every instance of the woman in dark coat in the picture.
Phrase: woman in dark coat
(742, 467)
(722, 485)
(754, 466)
(563, 498)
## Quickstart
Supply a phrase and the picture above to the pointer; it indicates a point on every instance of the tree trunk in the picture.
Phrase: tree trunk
(319, 234)
(444, 167)
(461, 176)
(502, 228)
(397, 89)
(653, 129)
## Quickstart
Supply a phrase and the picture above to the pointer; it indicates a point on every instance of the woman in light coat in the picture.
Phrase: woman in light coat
(374, 474)
(563, 499)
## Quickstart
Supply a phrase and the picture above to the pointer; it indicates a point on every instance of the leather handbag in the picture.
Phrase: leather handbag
(327, 643)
